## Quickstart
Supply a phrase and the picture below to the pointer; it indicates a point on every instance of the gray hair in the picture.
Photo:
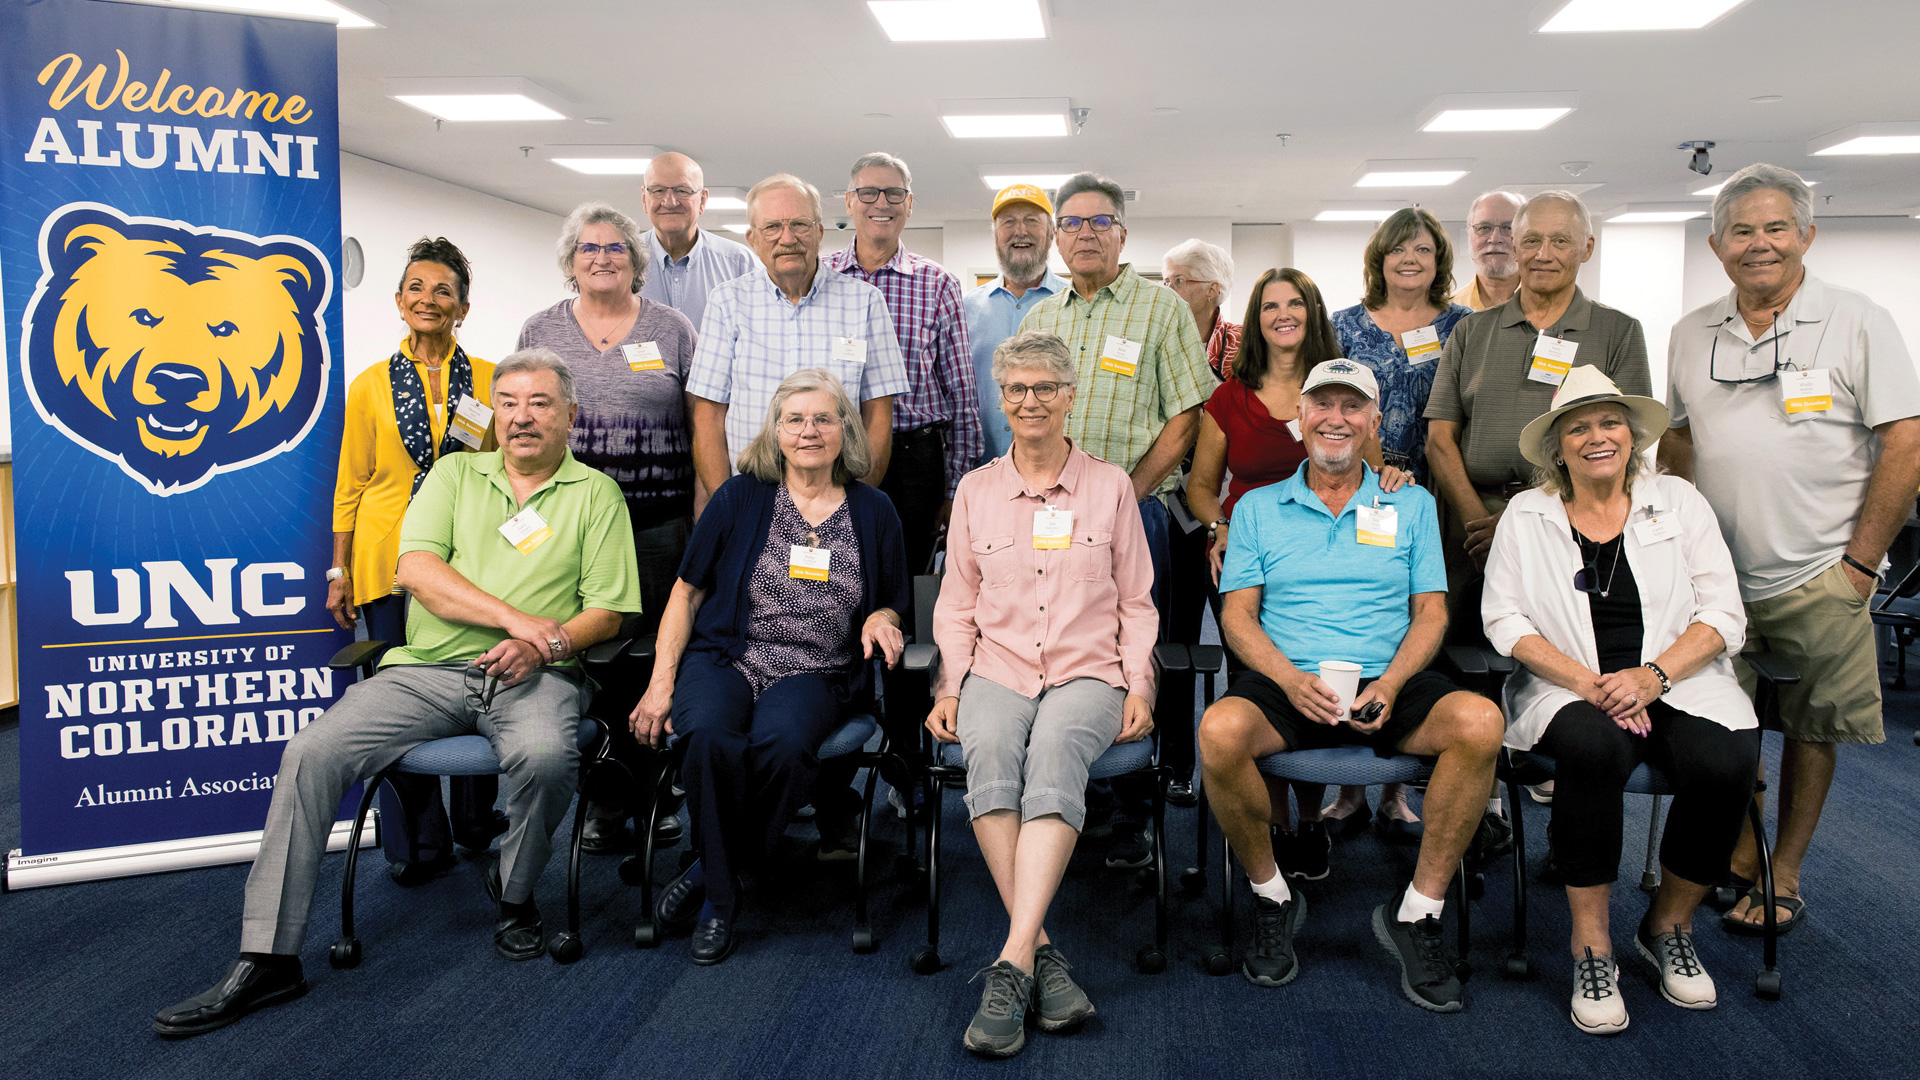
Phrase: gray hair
(1089, 181)
(528, 361)
(1556, 480)
(1762, 177)
(1035, 349)
(1565, 198)
(599, 213)
(762, 457)
(1496, 193)
(784, 180)
(880, 159)
(1210, 260)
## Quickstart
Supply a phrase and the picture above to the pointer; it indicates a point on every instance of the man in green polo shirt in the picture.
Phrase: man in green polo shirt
(517, 561)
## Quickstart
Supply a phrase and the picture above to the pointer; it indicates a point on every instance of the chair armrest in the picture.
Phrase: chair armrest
(1467, 660)
(358, 654)
(1772, 668)
(642, 648)
(1172, 657)
(607, 651)
(1207, 658)
(921, 657)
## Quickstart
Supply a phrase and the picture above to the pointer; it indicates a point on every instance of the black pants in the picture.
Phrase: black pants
(916, 481)
(414, 826)
(1192, 581)
(1712, 770)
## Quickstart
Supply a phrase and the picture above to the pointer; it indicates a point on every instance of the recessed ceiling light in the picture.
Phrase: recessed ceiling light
(621, 166)
(1041, 125)
(475, 108)
(1410, 178)
(1766, 99)
(726, 202)
(599, 121)
(736, 228)
(1494, 119)
(347, 18)
(1869, 138)
(1595, 16)
(603, 160)
(1714, 189)
(959, 20)
(1044, 181)
(1375, 215)
(1652, 213)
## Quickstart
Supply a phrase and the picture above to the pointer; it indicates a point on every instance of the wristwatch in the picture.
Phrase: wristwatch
(336, 573)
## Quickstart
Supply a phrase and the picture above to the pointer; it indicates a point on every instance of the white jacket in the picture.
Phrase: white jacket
(1684, 579)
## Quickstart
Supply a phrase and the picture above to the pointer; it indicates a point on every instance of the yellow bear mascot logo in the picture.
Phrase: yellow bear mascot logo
(176, 352)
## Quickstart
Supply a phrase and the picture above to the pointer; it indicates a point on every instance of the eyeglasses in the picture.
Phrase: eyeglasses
(1014, 393)
(1181, 281)
(1534, 241)
(1487, 228)
(895, 195)
(794, 424)
(590, 249)
(1101, 222)
(801, 228)
(1779, 365)
(481, 686)
(681, 194)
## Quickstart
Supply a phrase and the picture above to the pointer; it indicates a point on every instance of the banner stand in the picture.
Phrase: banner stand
(68, 867)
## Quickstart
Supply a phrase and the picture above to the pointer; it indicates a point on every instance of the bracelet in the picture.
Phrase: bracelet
(1213, 528)
(1858, 565)
(1666, 684)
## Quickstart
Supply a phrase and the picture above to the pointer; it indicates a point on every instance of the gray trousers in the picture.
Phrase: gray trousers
(1032, 754)
(534, 728)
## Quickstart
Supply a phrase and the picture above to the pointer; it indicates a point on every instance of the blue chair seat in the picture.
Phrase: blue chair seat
(1643, 780)
(1118, 760)
(851, 737)
(467, 755)
(1357, 765)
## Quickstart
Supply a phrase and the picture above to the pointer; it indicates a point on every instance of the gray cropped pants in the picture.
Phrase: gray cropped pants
(1032, 754)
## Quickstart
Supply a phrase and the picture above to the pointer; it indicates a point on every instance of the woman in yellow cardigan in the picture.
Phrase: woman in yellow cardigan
(429, 399)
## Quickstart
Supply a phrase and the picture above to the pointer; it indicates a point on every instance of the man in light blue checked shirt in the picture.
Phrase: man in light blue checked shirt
(761, 328)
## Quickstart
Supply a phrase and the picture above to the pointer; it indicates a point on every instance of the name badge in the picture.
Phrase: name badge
(1120, 356)
(847, 350)
(1293, 429)
(471, 421)
(644, 356)
(1661, 525)
(1552, 357)
(1377, 525)
(1806, 392)
(526, 530)
(1422, 345)
(808, 563)
(1052, 529)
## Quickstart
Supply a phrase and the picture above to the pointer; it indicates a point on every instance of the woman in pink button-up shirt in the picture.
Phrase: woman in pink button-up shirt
(1046, 628)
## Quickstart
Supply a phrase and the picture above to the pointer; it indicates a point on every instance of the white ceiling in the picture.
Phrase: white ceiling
(752, 87)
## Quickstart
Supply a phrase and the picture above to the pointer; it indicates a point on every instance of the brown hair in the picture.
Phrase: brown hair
(1319, 345)
(1397, 230)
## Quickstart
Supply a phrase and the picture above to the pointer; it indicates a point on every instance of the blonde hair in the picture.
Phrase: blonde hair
(1555, 479)
(762, 458)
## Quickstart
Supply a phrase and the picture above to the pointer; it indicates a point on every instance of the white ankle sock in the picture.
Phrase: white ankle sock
(1274, 888)
(1415, 905)
(1494, 806)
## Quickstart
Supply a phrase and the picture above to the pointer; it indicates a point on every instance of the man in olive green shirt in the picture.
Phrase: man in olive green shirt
(517, 561)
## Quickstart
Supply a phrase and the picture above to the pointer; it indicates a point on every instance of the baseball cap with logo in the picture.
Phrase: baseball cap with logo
(1021, 193)
(1342, 372)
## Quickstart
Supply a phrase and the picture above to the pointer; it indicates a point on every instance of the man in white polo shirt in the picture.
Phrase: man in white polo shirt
(1796, 411)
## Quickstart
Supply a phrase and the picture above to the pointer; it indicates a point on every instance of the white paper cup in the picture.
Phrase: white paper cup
(1344, 677)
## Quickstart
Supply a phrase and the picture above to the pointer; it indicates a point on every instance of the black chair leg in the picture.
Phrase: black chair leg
(345, 952)
(1194, 878)
(566, 946)
(647, 934)
(863, 932)
(925, 960)
(1153, 960)
(1219, 958)
(1518, 966)
(1463, 920)
(1767, 983)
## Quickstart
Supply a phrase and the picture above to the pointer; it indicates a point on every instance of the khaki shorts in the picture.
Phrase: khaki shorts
(1824, 630)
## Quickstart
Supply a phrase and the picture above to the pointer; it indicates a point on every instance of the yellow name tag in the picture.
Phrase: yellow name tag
(1120, 356)
(470, 421)
(1806, 392)
(808, 564)
(1552, 359)
(1052, 529)
(1377, 526)
(644, 356)
(1422, 345)
(526, 530)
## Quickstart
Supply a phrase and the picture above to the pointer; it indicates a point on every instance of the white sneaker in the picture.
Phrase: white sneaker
(1598, 1008)
(1682, 980)
(1541, 793)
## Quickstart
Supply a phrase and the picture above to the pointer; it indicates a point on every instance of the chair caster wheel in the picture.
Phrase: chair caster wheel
(1519, 967)
(565, 948)
(1462, 970)
(1218, 962)
(631, 870)
(345, 953)
(1192, 880)
(645, 936)
(924, 960)
(1150, 960)
(1476, 886)
(1723, 897)
(863, 942)
(1767, 985)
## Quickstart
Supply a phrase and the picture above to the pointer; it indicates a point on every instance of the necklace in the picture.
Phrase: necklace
(1591, 569)
(606, 337)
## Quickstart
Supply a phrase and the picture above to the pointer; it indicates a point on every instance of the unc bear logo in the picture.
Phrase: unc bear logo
(173, 351)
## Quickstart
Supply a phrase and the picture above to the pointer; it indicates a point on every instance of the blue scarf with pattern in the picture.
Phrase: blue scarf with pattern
(410, 403)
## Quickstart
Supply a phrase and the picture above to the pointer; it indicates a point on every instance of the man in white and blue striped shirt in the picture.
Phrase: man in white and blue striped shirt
(685, 261)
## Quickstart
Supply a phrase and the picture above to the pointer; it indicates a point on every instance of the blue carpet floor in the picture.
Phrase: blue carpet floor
(84, 967)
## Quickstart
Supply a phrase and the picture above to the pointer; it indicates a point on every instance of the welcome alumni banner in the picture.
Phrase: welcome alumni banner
(169, 225)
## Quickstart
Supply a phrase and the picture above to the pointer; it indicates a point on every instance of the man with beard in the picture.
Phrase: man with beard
(1022, 236)
(1322, 567)
(1490, 237)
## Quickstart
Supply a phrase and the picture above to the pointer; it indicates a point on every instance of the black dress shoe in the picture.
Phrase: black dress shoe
(1180, 793)
(520, 937)
(245, 987)
(407, 875)
(679, 906)
(605, 836)
(712, 941)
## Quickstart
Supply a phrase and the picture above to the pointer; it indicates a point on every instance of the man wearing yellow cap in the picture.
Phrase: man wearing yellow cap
(1022, 237)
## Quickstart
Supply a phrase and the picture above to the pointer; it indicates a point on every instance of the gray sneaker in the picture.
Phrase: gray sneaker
(999, 1027)
(1062, 1004)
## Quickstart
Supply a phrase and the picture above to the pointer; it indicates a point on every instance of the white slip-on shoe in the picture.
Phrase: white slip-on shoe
(1598, 1008)
(1682, 980)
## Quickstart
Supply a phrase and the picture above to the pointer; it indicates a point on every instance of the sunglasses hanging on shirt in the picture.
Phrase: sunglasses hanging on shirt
(1713, 356)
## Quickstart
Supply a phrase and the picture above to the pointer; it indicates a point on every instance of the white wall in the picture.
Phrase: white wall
(510, 247)
(1879, 256)
(1644, 276)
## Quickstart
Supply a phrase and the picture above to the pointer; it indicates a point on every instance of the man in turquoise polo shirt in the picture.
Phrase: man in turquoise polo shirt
(1326, 568)
(517, 561)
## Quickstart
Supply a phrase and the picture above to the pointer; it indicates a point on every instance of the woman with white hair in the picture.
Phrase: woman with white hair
(1202, 274)
(794, 578)
(1612, 586)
